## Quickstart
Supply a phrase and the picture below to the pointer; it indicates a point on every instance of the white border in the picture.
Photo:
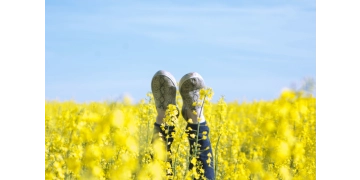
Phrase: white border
(22, 77)
(337, 96)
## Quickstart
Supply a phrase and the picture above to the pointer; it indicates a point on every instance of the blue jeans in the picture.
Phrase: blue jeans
(203, 151)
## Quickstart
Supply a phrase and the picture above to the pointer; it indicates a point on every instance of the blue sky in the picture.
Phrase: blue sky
(245, 50)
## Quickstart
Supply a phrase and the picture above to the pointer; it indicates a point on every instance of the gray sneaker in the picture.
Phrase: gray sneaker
(190, 85)
(163, 87)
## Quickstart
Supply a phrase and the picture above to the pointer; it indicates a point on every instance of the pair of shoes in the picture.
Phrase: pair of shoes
(163, 87)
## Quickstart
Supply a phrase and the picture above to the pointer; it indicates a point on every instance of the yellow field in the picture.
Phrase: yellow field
(258, 140)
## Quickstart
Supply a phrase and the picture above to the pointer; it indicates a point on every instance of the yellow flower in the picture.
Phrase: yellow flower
(193, 161)
(208, 161)
(102, 140)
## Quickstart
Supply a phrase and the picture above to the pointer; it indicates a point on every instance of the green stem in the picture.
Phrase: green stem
(147, 132)
(216, 155)
(177, 150)
(167, 141)
(197, 131)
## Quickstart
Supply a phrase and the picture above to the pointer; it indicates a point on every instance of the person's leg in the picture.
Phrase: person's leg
(160, 134)
(163, 87)
(198, 131)
(204, 152)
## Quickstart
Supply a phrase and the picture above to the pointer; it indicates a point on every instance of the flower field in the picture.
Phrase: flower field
(250, 140)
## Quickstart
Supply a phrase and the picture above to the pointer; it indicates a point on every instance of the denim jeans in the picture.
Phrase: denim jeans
(203, 150)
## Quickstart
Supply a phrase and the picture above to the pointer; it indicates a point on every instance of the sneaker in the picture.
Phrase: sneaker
(190, 85)
(163, 87)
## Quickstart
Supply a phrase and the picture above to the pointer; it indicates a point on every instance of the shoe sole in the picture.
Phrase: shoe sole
(190, 85)
(189, 76)
(163, 87)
